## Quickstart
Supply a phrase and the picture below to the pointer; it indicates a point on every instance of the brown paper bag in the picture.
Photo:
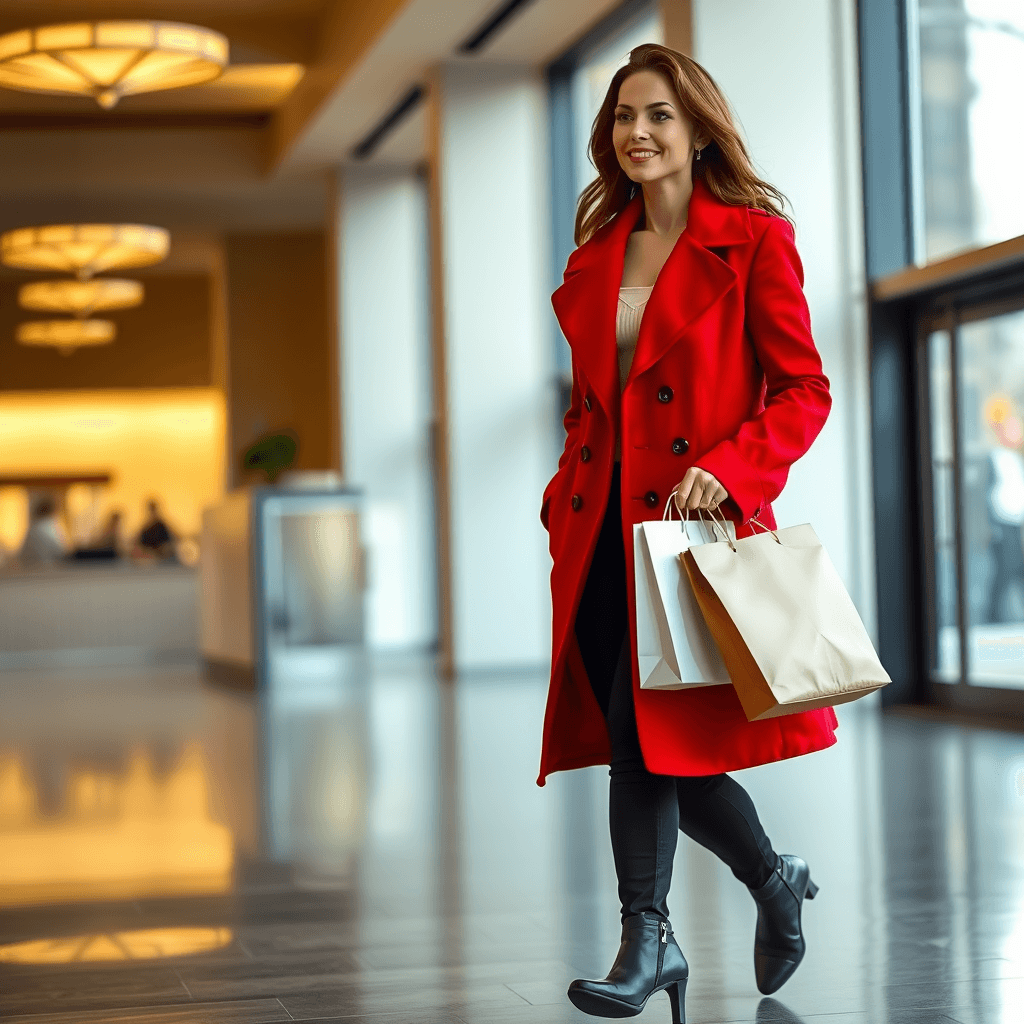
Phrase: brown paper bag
(788, 632)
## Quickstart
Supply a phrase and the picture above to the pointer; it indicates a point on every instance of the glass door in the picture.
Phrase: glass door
(974, 368)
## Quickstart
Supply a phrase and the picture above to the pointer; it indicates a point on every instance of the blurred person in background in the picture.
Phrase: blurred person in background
(1005, 504)
(155, 538)
(109, 542)
(695, 377)
(44, 542)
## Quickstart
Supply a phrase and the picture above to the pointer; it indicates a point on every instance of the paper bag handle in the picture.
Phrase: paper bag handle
(717, 524)
(754, 521)
(684, 522)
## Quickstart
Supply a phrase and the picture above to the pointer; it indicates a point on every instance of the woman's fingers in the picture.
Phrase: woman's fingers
(699, 489)
(719, 495)
(696, 496)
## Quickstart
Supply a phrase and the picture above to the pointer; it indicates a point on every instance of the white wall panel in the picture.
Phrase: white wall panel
(494, 185)
(386, 396)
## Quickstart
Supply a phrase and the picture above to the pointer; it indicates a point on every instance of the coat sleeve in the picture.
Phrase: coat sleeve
(753, 464)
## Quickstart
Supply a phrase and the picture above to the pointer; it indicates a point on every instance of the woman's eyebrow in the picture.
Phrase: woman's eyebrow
(657, 103)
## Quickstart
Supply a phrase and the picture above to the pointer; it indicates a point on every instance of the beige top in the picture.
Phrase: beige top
(632, 302)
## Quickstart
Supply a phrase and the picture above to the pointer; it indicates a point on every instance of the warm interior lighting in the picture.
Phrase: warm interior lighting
(66, 335)
(110, 59)
(84, 249)
(142, 944)
(118, 836)
(80, 298)
(168, 442)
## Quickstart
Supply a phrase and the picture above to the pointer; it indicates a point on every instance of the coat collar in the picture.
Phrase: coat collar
(691, 281)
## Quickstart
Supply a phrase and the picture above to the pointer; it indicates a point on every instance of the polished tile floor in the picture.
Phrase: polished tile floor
(368, 845)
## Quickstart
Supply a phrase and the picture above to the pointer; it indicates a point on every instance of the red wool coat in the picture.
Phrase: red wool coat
(725, 377)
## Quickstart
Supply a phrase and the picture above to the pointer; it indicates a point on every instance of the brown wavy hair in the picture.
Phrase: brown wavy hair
(724, 165)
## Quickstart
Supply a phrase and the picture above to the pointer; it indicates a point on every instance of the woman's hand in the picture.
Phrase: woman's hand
(699, 489)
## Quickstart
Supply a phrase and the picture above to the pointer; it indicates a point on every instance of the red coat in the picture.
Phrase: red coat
(725, 377)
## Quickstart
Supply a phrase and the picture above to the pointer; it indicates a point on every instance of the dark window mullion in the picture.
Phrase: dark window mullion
(958, 493)
(929, 591)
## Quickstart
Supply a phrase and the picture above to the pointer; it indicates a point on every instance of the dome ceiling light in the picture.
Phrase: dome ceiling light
(110, 59)
(66, 335)
(80, 298)
(84, 249)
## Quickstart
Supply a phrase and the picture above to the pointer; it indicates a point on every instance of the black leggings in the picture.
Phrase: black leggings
(647, 810)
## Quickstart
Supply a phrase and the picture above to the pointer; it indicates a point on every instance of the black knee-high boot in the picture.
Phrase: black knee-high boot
(644, 823)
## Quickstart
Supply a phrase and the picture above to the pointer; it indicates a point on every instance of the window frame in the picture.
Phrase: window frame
(907, 302)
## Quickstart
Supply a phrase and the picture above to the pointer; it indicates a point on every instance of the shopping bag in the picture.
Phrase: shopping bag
(674, 647)
(787, 630)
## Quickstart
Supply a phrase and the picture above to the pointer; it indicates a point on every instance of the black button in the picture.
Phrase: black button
(586, 403)
(680, 446)
(584, 454)
(664, 393)
(651, 498)
(577, 501)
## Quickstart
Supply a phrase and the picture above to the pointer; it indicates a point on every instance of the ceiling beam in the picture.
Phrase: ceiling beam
(348, 29)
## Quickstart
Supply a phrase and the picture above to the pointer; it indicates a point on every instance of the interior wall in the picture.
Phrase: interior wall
(493, 192)
(798, 111)
(281, 357)
(382, 283)
(165, 342)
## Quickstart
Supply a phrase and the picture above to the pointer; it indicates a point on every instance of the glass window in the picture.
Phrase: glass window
(968, 56)
(991, 399)
(976, 391)
(590, 82)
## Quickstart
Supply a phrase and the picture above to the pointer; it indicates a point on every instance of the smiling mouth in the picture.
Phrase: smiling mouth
(638, 155)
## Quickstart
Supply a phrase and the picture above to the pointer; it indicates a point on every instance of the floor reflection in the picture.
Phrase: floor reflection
(367, 840)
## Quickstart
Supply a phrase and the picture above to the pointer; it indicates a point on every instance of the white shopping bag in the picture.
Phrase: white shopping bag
(674, 646)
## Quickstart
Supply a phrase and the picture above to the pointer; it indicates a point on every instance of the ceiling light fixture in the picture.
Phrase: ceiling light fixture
(84, 249)
(66, 335)
(80, 298)
(110, 59)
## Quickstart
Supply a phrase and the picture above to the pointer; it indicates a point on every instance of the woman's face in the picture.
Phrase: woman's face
(652, 136)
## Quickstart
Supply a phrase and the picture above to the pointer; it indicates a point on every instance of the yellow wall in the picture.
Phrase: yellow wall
(168, 443)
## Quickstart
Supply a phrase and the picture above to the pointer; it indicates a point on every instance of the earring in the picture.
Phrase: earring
(698, 154)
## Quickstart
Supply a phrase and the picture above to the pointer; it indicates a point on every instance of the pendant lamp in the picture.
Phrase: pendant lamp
(66, 335)
(80, 298)
(110, 59)
(84, 249)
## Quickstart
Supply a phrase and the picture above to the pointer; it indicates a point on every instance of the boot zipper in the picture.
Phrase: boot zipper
(661, 952)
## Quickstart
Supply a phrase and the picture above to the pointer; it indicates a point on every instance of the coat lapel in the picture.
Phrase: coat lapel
(691, 281)
(587, 302)
(693, 278)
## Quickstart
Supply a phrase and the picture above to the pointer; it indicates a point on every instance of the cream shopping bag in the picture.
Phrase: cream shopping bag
(675, 649)
(787, 629)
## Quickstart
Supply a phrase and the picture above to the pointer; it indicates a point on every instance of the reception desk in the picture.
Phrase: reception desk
(94, 613)
(282, 574)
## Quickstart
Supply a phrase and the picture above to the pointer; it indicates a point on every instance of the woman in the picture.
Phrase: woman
(694, 375)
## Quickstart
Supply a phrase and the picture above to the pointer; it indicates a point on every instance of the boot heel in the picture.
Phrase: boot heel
(677, 997)
(812, 890)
